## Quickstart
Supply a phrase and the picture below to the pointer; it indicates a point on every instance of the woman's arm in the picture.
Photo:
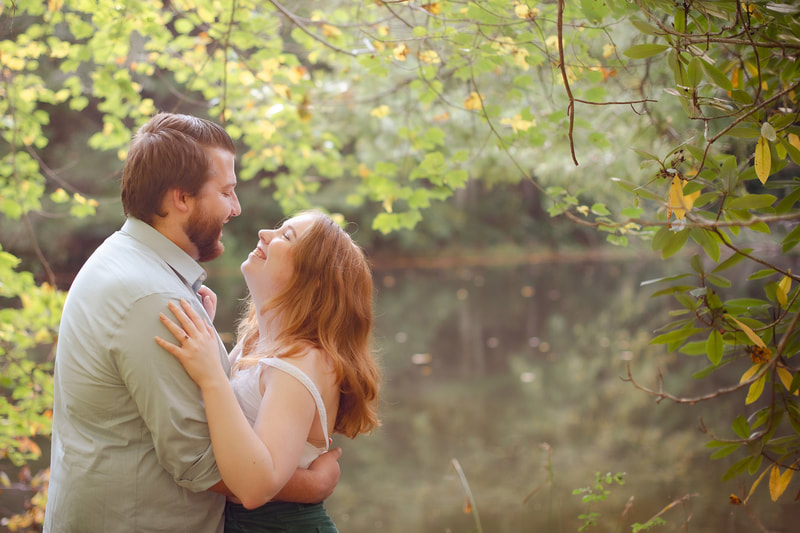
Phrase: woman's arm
(253, 465)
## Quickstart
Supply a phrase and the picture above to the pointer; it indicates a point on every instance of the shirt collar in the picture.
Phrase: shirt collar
(181, 262)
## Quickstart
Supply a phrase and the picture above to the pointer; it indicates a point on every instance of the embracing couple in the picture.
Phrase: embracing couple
(155, 426)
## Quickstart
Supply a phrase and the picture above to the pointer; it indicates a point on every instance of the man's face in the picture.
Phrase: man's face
(216, 203)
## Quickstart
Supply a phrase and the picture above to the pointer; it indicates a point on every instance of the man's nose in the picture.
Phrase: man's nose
(237, 208)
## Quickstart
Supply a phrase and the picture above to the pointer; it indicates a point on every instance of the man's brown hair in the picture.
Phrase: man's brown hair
(168, 152)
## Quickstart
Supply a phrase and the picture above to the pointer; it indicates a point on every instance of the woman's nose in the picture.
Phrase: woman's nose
(265, 235)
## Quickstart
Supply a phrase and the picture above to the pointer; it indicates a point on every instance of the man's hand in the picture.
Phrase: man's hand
(209, 299)
(314, 484)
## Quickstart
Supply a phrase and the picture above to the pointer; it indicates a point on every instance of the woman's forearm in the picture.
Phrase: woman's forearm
(243, 459)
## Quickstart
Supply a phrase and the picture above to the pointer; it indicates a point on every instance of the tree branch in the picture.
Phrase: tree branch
(299, 23)
(571, 105)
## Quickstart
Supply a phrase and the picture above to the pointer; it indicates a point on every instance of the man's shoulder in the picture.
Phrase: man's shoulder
(123, 264)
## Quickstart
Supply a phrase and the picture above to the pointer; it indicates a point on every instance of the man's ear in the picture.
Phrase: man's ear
(178, 200)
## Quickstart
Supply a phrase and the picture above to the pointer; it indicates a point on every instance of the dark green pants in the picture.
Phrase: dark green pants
(278, 517)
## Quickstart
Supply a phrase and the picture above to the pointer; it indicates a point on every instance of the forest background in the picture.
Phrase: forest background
(452, 129)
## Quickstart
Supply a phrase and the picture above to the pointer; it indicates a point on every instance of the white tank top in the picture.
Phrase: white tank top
(246, 387)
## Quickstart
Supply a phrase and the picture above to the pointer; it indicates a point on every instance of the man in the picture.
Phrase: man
(131, 450)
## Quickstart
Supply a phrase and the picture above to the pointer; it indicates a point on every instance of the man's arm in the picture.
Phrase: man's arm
(314, 484)
(311, 485)
(167, 399)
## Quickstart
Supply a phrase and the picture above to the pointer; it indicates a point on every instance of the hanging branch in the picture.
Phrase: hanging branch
(225, 47)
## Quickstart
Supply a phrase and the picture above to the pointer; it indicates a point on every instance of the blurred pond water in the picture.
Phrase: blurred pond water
(514, 373)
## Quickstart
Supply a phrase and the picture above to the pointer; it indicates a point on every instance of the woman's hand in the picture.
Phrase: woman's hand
(209, 299)
(198, 348)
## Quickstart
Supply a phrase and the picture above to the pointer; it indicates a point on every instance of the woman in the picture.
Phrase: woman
(302, 368)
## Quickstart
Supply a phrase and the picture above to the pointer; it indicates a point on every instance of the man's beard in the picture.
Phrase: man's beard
(204, 233)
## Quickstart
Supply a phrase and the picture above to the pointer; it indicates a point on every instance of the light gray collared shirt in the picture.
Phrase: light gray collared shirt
(130, 447)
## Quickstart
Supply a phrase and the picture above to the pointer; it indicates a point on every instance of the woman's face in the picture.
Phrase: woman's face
(269, 267)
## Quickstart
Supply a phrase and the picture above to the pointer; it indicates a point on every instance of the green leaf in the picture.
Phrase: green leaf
(719, 281)
(644, 27)
(791, 240)
(732, 261)
(726, 450)
(705, 238)
(752, 201)
(719, 79)
(714, 347)
(675, 336)
(760, 274)
(768, 132)
(739, 467)
(697, 264)
(728, 174)
(675, 243)
(740, 427)
(642, 51)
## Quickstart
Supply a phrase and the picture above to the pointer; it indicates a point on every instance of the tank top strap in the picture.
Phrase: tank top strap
(303, 378)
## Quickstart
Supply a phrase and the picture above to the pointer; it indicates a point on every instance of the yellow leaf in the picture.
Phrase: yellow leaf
(754, 393)
(282, 90)
(330, 31)
(521, 58)
(786, 378)
(747, 331)
(518, 124)
(380, 111)
(783, 290)
(608, 50)
(246, 78)
(763, 160)
(387, 204)
(433, 9)
(296, 74)
(778, 482)
(794, 140)
(750, 373)
(755, 484)
(429, 56)
(525, 12)
(676, 201)
(473, 101)
(400, 52)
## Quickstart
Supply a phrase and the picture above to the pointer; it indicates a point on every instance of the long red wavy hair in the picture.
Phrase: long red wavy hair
(327, 303)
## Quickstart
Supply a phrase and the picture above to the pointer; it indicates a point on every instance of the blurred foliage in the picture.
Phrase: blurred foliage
(380, 110)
